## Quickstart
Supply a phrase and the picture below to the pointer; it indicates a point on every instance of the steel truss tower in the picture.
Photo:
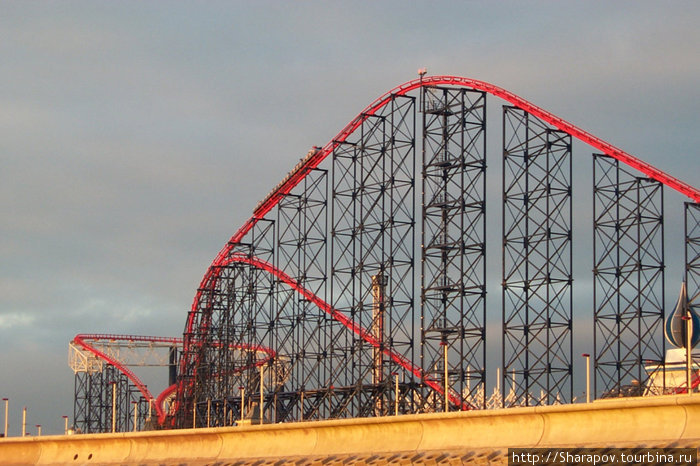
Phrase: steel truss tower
(93, 402)
(373, 235)
(628, 273)
(692, 254)
(311, 310)
(237, 317)
(537, 261)
(453, 255)
(331, 237)
(301, 330)
(102, 363)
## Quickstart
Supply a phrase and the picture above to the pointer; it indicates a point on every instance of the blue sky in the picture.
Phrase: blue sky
(136, 137)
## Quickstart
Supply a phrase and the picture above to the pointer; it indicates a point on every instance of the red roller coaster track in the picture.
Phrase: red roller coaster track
(343, 319)
(316, 157)
(85, 341)
(299, 173)
(312, 162)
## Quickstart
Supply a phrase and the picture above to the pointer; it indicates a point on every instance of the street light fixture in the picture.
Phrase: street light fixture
(24, 421)
(396, 393)
(301, 404)
(208, 412)
(114, 406)
(446, 379)
(136, 414)
(262, 391)
(688, 349)
(421, 72)
(588, 376)
(6, 400)
(242, 389)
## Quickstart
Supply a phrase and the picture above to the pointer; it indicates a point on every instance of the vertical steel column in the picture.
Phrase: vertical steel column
(236, 319)
(302, 250)
(378, 331)
(92, 409)
(255, 325)
(628, 275)
(126, 393)
(453, 253)
(372, 233)
(80, 399)
(692, 255)
(537, 260)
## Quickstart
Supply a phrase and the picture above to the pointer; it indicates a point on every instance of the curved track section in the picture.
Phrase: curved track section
(314, 159)
(86, 342)
(347, 323)
(199, 321)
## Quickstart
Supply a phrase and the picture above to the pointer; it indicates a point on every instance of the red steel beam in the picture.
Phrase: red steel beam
(347, 322)
(80, 340)
(83, 340)
(313, 161)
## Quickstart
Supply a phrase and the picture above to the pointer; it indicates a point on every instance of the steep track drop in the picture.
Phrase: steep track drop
(313, 160)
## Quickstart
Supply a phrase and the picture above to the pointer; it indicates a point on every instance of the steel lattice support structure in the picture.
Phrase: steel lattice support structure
(537, 260)
(372, 235)
(300, 332)
(237, 314)
(93, 402)
(101, 362)
(692, 254)
(333, 238)
(628, 274)
(453, 256)
(310, 310)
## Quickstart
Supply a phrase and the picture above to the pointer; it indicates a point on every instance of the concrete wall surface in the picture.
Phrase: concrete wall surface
(651, 421)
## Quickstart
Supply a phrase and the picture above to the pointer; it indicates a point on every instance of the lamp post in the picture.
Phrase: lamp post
(588, 376)
(301, 410)
(688, 349)
(262, 388)
(136, 414)
(421, 72)
(242, 389)
(24, 421)
(194, 414)
(65, 428)
(114, 406)
(208, 412)
(396, 393)
(446, 377)
(225, 412)
(6, 400)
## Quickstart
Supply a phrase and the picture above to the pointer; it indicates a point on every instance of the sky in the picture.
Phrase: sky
(136, 137)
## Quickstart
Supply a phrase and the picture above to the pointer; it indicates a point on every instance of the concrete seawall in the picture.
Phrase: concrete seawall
(653, 421)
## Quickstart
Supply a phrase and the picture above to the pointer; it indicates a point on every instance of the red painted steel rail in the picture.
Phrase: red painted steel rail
(347, 322)
(84, 341)
(313, 161)
(314, 158)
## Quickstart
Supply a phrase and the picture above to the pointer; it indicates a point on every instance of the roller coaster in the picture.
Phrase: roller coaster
(317, 307)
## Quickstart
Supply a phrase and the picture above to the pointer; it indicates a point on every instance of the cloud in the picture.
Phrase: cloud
(14, 319)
